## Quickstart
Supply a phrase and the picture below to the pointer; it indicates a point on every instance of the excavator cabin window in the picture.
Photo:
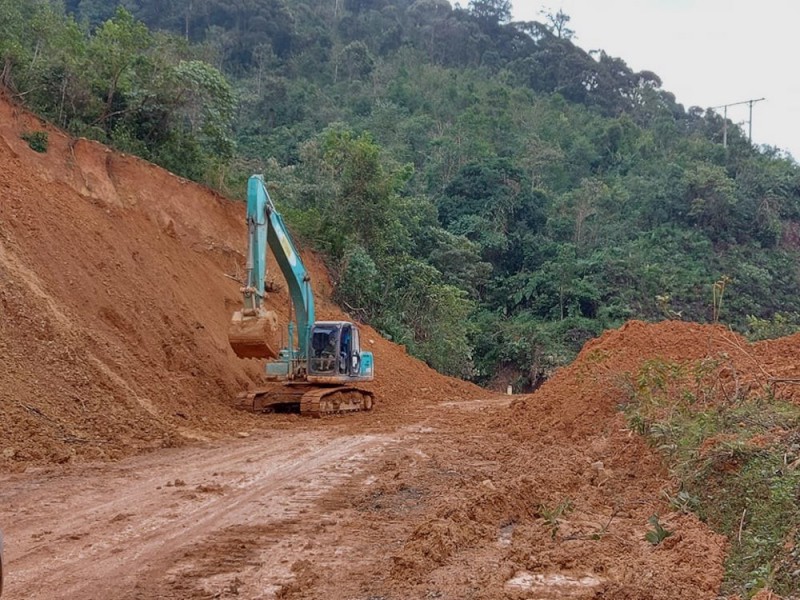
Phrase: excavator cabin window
(335, 349)
(325, 351)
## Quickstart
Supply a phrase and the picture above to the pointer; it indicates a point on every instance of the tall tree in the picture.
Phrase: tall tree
(557, 23)
(495, 11)
(116, 48)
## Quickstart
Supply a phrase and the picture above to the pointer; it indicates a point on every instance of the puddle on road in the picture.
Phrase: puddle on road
(553, 585)
(505, 536)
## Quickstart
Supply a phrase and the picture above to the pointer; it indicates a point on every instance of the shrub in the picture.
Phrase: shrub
(37, 140)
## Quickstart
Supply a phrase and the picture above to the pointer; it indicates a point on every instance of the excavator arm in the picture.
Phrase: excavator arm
(254, 332)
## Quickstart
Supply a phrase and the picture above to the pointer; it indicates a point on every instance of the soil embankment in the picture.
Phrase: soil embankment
(114, 307)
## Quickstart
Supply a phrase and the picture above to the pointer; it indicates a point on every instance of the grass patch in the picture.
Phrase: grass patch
(37, 140)
(737, 456)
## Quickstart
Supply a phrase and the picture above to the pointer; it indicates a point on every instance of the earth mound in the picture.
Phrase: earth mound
(559, 492)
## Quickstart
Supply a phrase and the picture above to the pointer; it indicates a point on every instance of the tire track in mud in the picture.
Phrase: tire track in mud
(156, 526)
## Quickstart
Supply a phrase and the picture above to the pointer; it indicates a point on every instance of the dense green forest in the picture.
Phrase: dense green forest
(486, 192)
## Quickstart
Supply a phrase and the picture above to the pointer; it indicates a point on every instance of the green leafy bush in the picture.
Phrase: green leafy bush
(37, 140)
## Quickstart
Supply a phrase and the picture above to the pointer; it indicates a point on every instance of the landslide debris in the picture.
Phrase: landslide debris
(554, 496)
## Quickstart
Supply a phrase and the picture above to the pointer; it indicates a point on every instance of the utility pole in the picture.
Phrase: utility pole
(724, 108)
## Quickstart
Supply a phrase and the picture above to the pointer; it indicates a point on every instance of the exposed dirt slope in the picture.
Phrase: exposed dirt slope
(114, 306)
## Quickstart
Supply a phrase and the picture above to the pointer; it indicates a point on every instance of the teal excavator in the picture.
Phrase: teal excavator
(317, 363)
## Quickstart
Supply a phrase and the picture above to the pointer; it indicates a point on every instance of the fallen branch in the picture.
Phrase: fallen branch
(741, 525)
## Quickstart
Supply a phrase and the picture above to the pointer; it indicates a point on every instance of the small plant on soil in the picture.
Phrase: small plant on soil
(37, 140)
(552, 515)
(658, 534)
(683, 502)
(737, 458)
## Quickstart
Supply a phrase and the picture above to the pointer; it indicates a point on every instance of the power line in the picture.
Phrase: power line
(725, 119)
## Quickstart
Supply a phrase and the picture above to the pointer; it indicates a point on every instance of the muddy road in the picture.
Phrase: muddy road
(252, 517)
(228, 518)
(442, 504)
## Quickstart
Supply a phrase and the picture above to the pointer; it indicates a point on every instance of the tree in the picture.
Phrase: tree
(205, 101)
(494, 191)
(359, 287)
(433, 315)
(493, 11)
(429, 19)
(355, 61)
(557, 23)
(13, 17)
(711, 195)
(364, 191)
(115, 50)
(57, 77)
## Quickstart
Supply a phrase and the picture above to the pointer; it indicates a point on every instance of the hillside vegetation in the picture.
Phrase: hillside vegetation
(486, 192)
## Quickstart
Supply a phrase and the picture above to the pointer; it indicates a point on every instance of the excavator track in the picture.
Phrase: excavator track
(333, 401)
(312, 401)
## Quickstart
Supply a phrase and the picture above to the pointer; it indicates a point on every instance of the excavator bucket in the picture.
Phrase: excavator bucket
(254, 336)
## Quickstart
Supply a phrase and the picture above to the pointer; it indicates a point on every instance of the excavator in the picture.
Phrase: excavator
(317, 362)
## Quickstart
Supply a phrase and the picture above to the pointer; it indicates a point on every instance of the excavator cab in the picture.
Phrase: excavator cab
(336, 353)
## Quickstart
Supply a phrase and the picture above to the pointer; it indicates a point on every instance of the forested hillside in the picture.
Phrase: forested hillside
(485, 191)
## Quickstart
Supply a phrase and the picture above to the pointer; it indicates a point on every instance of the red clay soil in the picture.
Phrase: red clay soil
(115, 303)
(115, 298)
(551, 497)
(548, 498)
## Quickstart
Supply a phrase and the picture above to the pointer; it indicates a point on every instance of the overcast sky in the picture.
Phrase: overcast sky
(706, 52)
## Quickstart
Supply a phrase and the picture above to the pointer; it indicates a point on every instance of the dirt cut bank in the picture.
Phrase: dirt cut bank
(115, 297)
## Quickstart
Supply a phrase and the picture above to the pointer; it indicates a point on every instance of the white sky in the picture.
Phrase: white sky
(706, 52)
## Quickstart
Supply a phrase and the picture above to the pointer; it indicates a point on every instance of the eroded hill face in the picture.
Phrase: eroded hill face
(115, 298)
(113, 302)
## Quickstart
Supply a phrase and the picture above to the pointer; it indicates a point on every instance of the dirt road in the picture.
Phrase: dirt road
(230, 518)
(257, 516)
(442, 504)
